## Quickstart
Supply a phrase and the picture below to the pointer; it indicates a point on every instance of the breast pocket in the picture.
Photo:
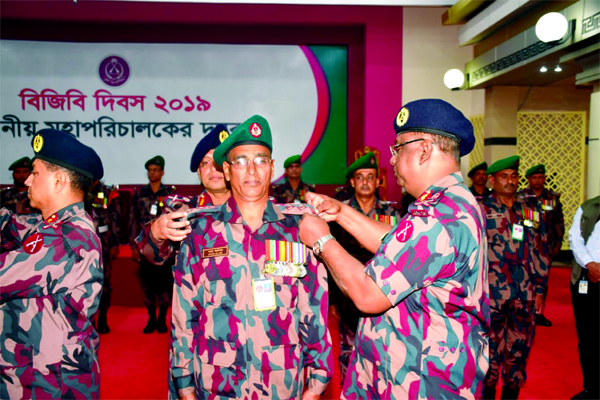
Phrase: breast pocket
(286, 291)
(220, 279)
(219, 371)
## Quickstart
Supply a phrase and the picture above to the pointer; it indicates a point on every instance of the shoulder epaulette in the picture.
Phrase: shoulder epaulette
(429, 198)
(198, 212)
(296, 209)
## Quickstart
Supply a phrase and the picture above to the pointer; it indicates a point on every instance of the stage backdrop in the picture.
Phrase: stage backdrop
(132, 101)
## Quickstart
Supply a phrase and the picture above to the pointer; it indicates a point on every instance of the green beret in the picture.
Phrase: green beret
(292, 160)
(24, 162)
(255, 130)
(506, 163)
(367, 161)
(157, 160)
(536, 169)
(479, 167)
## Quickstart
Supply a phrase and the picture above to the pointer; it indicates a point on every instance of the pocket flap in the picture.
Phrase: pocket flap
(276, 358)
(216, 352)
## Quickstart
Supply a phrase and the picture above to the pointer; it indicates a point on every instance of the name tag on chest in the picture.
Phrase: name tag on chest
(215, 252)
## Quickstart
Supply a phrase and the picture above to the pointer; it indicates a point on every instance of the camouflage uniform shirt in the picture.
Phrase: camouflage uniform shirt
(518, 269)
(284, 193)
(50, 284)
(552, 212)
(432, 267)
(222, 346)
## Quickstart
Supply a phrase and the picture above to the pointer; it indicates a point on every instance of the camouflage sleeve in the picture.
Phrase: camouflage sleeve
(13, 228)
(154, 250)
(50, 264)
(187, 298)
(416, 254)
(134, 219)
(314, 334)
(114, 213)
(540, 264)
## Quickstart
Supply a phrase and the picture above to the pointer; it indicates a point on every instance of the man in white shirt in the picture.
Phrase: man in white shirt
(584, 238)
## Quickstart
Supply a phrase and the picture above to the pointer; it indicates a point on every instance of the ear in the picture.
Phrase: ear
(272, 169)
(162, 173)
(377, 181)
(427, 147)
(491, 179)
(61, 180)
(352, 183)
(226, 168)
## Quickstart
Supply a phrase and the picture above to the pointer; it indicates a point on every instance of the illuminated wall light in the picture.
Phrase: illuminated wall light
(551, 27)
(558, 69)
(454, 79)
(543, 69)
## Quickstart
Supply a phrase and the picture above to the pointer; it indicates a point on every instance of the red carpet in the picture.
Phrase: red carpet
(134, 365)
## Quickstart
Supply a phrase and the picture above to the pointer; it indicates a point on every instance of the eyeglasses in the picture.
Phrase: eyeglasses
(243, 162)
(396, 148)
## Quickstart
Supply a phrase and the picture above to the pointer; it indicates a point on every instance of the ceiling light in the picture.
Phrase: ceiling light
(551, 27)
(558, 69)
(454, 79)
(543, 69)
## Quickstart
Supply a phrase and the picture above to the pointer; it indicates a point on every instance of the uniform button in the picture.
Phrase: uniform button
(462, 349)
(80, 336)
(453, 349)
(393, 292)
(441, 348)
(385, 283)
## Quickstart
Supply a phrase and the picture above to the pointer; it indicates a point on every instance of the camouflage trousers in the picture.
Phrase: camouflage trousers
(157, 283)
(511, 335)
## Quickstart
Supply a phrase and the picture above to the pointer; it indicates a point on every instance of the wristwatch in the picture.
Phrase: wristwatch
(318, 246)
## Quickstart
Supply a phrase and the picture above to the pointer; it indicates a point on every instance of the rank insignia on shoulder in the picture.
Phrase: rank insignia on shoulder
(215, 252)
(51, 219)
(494, 216)
(419, 213)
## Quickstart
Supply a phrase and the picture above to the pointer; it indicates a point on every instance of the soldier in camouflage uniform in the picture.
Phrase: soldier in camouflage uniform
(518, 277)
(552, 213)
(51, 278)
(479, 179)
(293, 189)
(148, 203)
(169, 229)
(15, 198)
(364, 178)
(102, 204)
(425, 290)
(250, 301)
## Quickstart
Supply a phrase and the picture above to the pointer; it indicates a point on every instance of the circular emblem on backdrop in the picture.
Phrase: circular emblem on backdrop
(33, 243)
(402, 116)
(255, 129)
(404, 231)
(38, 143)
(223, 135)
(114, 71)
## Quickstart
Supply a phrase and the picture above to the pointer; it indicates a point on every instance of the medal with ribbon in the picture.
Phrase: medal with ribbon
(531, 218)
(548, 205)
(386, 219)
(285, 258)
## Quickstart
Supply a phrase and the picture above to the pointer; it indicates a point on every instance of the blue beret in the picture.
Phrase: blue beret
(437, 117)
(211, 141)
(60, 148)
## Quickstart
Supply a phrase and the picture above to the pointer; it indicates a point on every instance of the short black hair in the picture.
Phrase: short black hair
(79, 182)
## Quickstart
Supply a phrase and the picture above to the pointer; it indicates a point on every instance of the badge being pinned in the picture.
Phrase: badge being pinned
(33, 243)
(404, 231)
(255, 129)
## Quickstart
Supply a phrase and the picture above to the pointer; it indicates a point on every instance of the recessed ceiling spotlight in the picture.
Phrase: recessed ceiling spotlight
(543, 69)
(558, 69)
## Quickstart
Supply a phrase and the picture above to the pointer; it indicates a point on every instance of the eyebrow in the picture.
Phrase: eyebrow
(255, 155)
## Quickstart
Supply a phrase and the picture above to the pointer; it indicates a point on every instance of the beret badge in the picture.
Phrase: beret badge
(402, 117)
(38, 143)
(255, 130)
(223, 135)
